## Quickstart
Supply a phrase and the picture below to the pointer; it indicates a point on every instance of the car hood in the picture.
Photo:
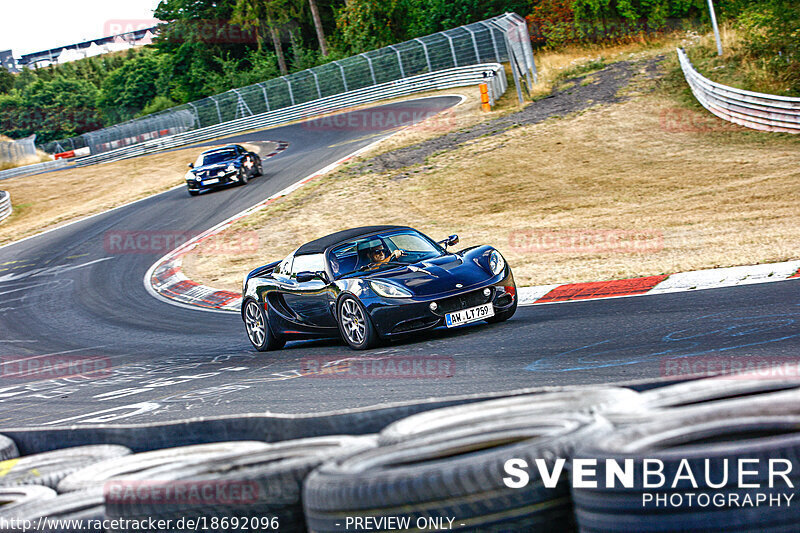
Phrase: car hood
(435, 276)
(216, 167)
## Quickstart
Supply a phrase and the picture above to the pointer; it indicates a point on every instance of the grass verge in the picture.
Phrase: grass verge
(643, 187)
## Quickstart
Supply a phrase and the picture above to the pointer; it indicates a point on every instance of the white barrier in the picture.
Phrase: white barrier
(758, 111)
(5, 205)
(29, 170)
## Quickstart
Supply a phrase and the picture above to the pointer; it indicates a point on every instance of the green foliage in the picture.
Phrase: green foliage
(363, 25)
(129, 88)
(6, 81)
(772, 37)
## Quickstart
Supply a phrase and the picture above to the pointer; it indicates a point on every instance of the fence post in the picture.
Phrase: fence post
(494, 40)
(344, 78)
(264, 90)
(427, 56)
(399, 61)
(219, 113)
(452, 48)
(289, 85)
(196, 114)
(241, 105)
(371, 70)
(316, 81)
(474, 44)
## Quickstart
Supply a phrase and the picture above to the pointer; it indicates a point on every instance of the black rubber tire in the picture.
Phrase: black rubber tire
(370, 339)
(49, 468)
(139, 465)
(461, 478)
(274, 476)
(8, 449)
(678, 439)
(270, 340)
(243, 178)
(502, 316)
(194, 193)
(472, 417)
(737, 396)
(259, 168)
(73, 506)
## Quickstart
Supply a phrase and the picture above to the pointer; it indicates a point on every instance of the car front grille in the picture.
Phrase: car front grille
(462, 301)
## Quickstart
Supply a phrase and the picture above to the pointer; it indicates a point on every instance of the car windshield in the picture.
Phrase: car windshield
(378, 252)
(214, 157)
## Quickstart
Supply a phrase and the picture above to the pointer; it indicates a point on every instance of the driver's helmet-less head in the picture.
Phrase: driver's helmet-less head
(379, 248)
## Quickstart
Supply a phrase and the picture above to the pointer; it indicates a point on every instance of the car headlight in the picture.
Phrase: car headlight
(389, 290)
(230, 168)
(496, 262)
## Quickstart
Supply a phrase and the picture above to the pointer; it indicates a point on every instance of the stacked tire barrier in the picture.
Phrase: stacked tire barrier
(442, 464)
(758, 111)
(5, 205)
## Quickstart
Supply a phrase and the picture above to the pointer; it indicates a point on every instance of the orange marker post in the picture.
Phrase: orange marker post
(485, 105)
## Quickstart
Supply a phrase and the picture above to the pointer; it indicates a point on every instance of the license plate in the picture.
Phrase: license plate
(211, 181)
(465, 316)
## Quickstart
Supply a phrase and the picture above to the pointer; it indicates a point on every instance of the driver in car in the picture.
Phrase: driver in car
(379, 256)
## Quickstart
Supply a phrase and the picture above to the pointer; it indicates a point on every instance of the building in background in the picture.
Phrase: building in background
(7, 61)
(95, 47)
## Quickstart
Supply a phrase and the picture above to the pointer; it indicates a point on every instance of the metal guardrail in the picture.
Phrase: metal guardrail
(36, 168)
(758, 111)
(492, 74)
(5, 205)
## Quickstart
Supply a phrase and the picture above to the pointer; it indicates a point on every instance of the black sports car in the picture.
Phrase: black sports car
(373, 283)
(222, 166)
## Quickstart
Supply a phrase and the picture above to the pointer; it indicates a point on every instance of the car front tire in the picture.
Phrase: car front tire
(258, 330)
(502, 316)
(243, 179)
(355, 324)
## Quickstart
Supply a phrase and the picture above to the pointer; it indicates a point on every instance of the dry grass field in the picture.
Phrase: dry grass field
(637, 188)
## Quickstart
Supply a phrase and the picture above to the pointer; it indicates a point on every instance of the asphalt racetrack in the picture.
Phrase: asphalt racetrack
(63, 293)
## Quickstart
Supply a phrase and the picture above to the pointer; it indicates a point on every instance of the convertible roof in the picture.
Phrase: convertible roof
(221, 149)
(323, 243)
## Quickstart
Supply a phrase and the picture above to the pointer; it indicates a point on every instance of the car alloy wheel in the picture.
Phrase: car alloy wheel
(355, 325)
(258, 330)
(243, 176)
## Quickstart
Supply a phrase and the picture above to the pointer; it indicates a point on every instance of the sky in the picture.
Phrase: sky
(33, 25)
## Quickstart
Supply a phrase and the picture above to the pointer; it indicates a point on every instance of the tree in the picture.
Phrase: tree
(6, 81)
(258, 14)
(323, 45)
(128, 89)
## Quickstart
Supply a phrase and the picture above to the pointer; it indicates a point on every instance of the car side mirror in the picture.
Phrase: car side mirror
(452, 240)
(305, 277)
(191, 165)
